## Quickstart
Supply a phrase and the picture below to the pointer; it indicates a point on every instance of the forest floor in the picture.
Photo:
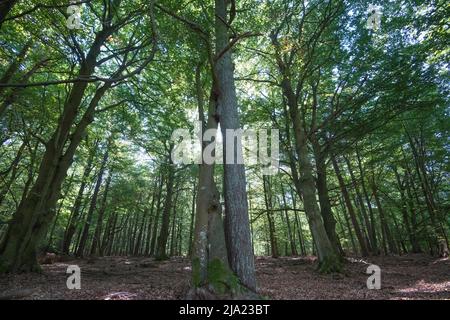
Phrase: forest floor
(126, 278)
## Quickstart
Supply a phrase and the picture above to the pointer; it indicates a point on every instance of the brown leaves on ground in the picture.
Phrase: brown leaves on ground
(131, 278)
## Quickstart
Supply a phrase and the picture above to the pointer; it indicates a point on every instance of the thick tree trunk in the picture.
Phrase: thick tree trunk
(324, 199)
(237, 225)
(35, 212)
(329, 260)
(210, 266)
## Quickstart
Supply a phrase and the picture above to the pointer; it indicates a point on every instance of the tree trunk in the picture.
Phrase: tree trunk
(373, 235)
(405, 216)
(156, 194)
(191, 225)
(101, 212)
(210, 266)
(237, 225)
(174, 223)
(92, 207)
(384, 223)
(35, 212)
(324, 199)
(350, 209)
(164, 231)
(269, 214)
(290, 231)
(73, 220)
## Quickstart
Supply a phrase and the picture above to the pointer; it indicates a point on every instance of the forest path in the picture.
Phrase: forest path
(125, 278)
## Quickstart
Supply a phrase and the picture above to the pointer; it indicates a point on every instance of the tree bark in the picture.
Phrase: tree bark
(93, 204)
(350, 209)
(73, 220)
(36, 210)
(237, 225)
(161, 253)
(324, 199)
(269, 214)
(373, 235)
(101, 212)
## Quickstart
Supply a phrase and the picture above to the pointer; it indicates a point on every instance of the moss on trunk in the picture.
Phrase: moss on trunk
(331, 264)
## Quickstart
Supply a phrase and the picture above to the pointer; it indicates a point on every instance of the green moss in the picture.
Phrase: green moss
(221, 278)
(331, 264)
(196, 279)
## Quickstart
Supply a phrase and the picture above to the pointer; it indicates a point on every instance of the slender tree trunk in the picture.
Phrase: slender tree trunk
(174, 223)
(147, 211)
(156, 221)
(384, 223)
(405, 216)
(269, 213)
(13, 168)
(106, 234)
(92, 207)
(191, 225)
(101, 212)
(348, 225)
(298, 223)
(348, 203)
(361, 206)
(161, 253)
(290, 231)
(55, 220)
(373, 233)
(15, 64)
(156, 194)
(73, 220)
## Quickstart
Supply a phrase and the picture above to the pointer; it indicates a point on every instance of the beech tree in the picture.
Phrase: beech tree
(87, 118)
